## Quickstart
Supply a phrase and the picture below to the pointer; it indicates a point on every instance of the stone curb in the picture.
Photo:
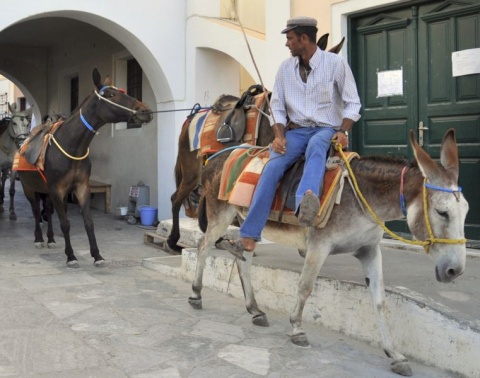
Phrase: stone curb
(415, 320)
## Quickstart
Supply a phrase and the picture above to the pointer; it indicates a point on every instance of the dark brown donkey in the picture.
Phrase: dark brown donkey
(189, 165)
(67, 166)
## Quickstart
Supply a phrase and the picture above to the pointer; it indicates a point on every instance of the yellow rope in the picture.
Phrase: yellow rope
(252, 152)
(66, 153)
(425, 244)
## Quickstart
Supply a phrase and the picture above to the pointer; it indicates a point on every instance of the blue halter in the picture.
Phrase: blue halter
(85, 122)
(434, 187)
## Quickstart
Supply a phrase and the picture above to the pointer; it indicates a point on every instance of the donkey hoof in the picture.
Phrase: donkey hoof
(73, 264)
(196, 303)
(38, 245)
(300, 339)
(402, 368)
(52, 245)
(100, 263)
(260, 320)
(13, 216)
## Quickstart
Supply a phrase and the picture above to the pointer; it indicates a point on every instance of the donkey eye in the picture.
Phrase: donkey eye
(443, 214)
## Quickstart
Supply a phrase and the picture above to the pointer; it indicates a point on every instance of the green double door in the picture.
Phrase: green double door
(415, 42)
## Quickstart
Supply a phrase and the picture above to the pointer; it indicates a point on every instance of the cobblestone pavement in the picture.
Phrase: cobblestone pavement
(128, 321)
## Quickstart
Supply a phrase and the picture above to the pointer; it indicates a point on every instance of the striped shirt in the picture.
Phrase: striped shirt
(328, 96)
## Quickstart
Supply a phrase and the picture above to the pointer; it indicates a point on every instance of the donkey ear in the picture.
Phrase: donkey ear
(322, 42)
(97, 80)
(428, 167)
(12, 108)
(449, 153)
(336, 49)
(108, 81)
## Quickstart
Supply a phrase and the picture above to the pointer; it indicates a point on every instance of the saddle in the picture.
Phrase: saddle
(241, 173)
(230, 122)
(34, 147)
(230, 131)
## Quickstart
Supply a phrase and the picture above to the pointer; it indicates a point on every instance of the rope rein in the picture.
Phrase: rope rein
(426, 243)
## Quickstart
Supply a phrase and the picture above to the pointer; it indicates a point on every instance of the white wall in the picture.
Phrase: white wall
(187, 55)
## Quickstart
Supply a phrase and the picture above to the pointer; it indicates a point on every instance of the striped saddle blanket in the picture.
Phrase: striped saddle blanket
(242, 170)
(202, 129)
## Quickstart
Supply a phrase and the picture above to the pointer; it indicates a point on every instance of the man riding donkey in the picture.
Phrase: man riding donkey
(314, 101)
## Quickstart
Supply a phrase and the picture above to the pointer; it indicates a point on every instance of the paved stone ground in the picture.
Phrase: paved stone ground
(128, 321)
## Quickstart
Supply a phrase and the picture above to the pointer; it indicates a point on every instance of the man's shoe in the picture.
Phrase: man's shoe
(308, 209)
(235, 247)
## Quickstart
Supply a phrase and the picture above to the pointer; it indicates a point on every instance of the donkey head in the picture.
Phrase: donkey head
(19, 127)
(446, 208)
(117, 106)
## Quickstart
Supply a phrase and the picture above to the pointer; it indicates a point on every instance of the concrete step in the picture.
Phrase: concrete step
(423, 327)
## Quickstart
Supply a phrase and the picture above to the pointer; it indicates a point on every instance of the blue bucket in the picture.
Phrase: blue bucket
(148, 215)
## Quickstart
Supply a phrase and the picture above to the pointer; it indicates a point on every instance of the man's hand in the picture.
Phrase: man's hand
(279, 145)
(341, 137)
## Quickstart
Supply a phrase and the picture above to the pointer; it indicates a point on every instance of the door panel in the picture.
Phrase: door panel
(452, 101)
(384, 122)
(420, 40)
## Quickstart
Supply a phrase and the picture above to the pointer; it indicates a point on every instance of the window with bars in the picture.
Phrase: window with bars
(134, 84)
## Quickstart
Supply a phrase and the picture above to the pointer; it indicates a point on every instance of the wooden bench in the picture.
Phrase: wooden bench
(101, 187)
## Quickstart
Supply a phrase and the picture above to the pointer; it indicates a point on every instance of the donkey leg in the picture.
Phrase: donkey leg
(48, 209)
(177, 199)
(316, 254)
(57, 201)
(371, 260)
(11, 192)
(35, 206)
(218, 222)
(3, 178)
(259, 318)
(83, 195)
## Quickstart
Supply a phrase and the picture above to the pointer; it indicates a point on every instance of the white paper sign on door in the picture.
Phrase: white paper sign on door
(390, 83)
(466, 62)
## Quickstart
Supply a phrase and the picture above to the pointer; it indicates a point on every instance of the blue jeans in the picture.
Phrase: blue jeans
(314, 143)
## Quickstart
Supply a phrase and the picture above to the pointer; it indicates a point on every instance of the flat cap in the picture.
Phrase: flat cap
(299, 21)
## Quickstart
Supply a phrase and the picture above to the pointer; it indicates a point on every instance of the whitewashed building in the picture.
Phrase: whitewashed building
(189, 51)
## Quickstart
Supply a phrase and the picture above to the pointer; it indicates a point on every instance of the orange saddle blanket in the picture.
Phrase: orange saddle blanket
(31, 155)
(242, 170)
